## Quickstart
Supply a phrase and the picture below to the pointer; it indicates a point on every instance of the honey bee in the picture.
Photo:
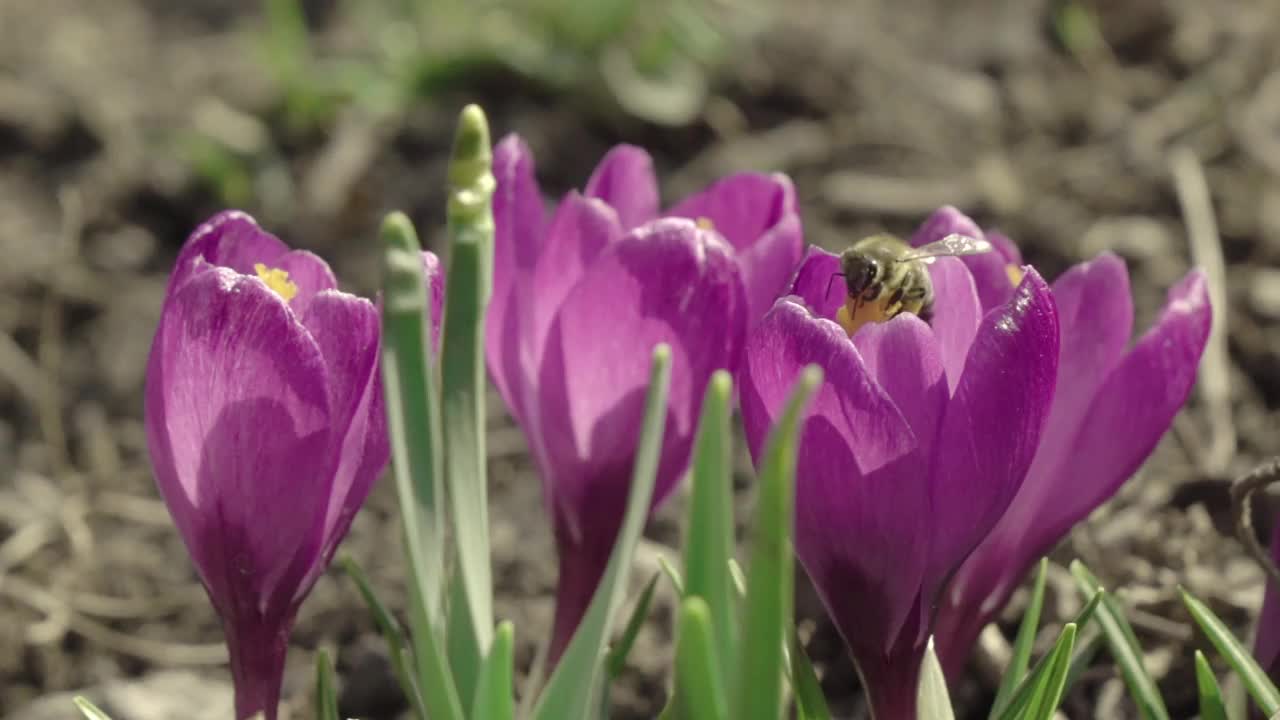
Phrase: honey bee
(885, 276)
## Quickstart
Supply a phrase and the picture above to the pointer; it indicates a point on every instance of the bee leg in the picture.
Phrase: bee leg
(894, 304)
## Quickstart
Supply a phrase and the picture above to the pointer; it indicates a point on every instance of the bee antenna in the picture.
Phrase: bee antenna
(833, 277)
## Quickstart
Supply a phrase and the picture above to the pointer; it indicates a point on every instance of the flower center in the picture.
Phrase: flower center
(278, 280)
(863, 313)
(1015, 274)
(705, 223)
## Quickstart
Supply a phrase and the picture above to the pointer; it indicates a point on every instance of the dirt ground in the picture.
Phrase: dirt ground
(880, 110)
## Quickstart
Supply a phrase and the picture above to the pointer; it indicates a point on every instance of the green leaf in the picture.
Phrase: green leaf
(1022, 644)
(413, 423)
(758, 690)
(1211, 704)
(494, 699)
(699, 694)
(570, 693)
(739, 579)
(462, 393)
(88, 709)
(673, 575)
(1037, 697)
(618, 653)
(1124, 647)
(326, 694)
(397, 644)
(1255, 680)
(811, 703)
(934, 703)
(1087, 647)
(709, 533)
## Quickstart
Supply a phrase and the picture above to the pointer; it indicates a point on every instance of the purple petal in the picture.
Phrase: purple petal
(518, 224)
(860, 481)
(1266, 648)
(624, 179)
(581, 228)
(902, 357)
(1009, 252)
(819, 284)
(308, 272)
(1128, 414)
(756, 213)
(1080, 465)
(990, 273)
(346, 329)
(238, 426)
(667, 281)
(229, 239)
(956, 314)
(993, 423)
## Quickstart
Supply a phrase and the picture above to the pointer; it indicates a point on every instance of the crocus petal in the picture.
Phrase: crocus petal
(956, 314)
(308, 272)
(238, 428)
(819, 284)
(1266, 648)
(993, 424)
(625, 180)
(903, 358)
(229, 239)
(667, 281)
(346, 329)
(1137, 401)
(1009, 251)
(860, 480)
(756, 213)
(990, 270)
(517, 243)
(581, 228)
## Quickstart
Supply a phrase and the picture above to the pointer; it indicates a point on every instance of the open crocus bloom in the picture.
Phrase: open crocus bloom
(1112, 405)
(913, 448)
(264, 418)
(579, 303)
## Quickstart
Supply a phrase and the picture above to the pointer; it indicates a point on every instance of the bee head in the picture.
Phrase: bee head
(860, 271)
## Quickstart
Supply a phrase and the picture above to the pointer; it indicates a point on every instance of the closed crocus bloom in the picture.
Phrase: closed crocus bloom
(1113, 403)
(578, 304)
(264, 419)
(913, 448)
(1266, 647)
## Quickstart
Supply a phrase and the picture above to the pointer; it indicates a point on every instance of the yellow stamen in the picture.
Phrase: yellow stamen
(277, 280)
(705, 223)
(1015, 274)
(863, 313)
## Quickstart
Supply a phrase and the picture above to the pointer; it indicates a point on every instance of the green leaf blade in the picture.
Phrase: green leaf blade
(1123, 644)
(413, 424)
(1255, 680)
(494, 699)
(326, 693)
(88, 709)
(699, 694)
(1023, 642)
(810, 702)
(462, 394)
(933, 701)
(570, 693)
(1212, 706)
(770, 577)
(617, 661)
(709, 535)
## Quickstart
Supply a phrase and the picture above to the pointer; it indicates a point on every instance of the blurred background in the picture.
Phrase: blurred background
(125, 123)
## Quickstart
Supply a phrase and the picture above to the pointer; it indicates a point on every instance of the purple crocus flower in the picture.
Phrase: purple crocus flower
(1113, 403)
(264, 418)
(913, 448)
(579, 302)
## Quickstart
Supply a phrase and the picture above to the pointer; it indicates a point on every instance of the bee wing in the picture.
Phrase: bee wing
(953, 244)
